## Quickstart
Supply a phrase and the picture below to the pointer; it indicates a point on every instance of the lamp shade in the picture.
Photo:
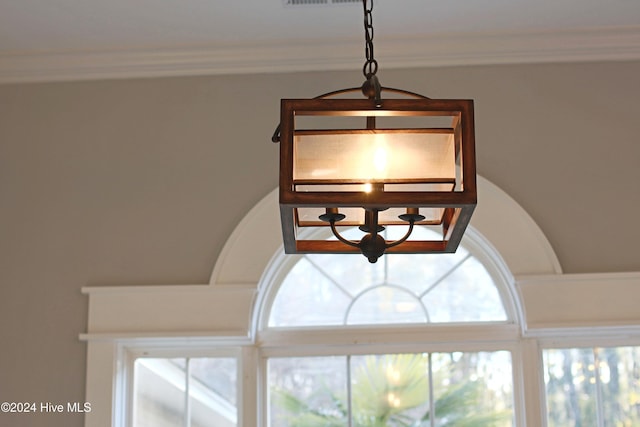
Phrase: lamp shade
(354, 156)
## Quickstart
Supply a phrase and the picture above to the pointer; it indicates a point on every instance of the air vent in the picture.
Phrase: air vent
(290, 3)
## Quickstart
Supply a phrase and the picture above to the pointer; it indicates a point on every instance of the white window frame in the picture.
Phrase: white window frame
(374, 342)
(133, 352)
(225, 312)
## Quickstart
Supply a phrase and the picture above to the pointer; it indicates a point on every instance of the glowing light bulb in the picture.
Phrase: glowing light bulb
(367, 187)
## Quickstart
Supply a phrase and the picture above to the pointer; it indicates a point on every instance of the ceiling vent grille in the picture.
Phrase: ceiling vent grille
(289, 3)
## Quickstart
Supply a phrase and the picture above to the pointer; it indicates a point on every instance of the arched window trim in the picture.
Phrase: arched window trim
(477, 245)
(502, 236)
(505, 225)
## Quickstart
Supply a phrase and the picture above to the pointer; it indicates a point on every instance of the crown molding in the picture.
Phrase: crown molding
(603, 44)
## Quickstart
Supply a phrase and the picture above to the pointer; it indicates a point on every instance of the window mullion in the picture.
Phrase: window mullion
(432, 405)
(529, 400)
(598, 384)
(187, 392)
(444, 276)
(349, 396)
(329, 278)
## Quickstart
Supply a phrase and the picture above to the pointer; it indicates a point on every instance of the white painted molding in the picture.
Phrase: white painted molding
(181, 338)
(257, 238)
(433, 334)
(601, 44)
(157, 311)
(499, 220)
(575, 302)
(586, 335)
(511, 233)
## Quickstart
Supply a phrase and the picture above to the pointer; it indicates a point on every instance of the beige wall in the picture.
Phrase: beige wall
(130, 183)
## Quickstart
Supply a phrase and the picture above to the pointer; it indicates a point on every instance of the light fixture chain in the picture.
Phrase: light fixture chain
(371, 65)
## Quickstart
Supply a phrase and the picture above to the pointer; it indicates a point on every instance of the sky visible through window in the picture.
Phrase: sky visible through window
(345, 289)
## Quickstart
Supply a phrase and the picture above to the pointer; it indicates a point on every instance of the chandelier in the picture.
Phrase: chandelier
(378, 164)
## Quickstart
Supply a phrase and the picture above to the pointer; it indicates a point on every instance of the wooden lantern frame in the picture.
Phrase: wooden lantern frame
(458, 204)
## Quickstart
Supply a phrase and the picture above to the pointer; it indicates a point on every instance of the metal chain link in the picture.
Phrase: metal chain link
(371, 65)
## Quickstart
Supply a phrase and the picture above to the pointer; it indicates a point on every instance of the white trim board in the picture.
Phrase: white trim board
(571, 302)
(602, 44)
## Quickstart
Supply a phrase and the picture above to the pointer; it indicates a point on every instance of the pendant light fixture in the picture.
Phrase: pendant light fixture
(375, 163)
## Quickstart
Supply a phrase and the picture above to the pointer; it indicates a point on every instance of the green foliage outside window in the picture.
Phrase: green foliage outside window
(393, 391)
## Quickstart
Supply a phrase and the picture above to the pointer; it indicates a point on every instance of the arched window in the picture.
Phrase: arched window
(349, 343)
(347, 290)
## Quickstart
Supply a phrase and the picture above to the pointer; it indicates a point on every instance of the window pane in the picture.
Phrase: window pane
(591, 384)
(473, 389)
(307, 297)
(213, 391)
(570, 379)
(337, 289)
(351, 271)
(307, 391)
(419, 272)
(160, 387)
(619, 370)
(386, 305)
(158, 393)
(468, 294)
(390, 390)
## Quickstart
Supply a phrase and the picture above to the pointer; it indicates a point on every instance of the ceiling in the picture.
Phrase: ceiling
(53, 40)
